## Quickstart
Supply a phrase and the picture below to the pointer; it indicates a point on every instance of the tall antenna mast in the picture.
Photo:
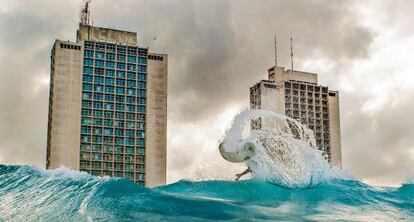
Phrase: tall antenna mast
(85, 13)
(275, 52)
(291, 50)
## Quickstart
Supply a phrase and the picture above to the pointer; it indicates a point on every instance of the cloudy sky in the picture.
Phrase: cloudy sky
(217, 50)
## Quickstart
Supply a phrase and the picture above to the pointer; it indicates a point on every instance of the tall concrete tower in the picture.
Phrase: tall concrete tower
(297, 95)
(108, 106)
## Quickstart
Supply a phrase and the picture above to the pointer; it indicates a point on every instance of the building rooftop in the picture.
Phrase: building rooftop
(281, 74)
(87, 32)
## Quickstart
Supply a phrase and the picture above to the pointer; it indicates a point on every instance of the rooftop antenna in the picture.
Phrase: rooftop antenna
(85, 13)
(291, 50)
(275, 52)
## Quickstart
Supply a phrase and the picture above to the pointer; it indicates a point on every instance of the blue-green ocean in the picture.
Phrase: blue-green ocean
(31, 194)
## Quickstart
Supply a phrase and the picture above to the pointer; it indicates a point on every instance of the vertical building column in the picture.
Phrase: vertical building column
(65, 106)
(156, 121)
(335, 129)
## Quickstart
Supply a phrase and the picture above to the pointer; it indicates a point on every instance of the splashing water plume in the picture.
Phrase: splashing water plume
(284, 152)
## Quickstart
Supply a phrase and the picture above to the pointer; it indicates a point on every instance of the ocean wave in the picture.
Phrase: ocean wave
(282, 151)
(32, 194)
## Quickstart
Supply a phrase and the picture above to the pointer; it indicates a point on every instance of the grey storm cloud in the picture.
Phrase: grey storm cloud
(217, 50)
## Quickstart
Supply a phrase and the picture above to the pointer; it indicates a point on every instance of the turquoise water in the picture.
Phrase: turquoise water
(31, 194)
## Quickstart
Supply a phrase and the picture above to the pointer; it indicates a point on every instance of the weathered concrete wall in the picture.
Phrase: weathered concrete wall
(65, 107)
(156, 127)
(106, 35)
(335, 129)
(283, 75)
(272, 98)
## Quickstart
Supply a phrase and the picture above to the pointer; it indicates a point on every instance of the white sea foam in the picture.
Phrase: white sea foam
(64, 172)
(58, 173)
(285, 153)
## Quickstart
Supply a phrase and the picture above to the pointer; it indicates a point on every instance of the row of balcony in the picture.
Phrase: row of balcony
(306, 87)
(121, 49)
(112, 166)
(306, 94)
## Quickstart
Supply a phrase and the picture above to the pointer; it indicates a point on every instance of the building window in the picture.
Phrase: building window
(141, 109)
(86, 95)
(89, 45)
(130, 99)
(120, 90)
(121, 58)
(97, 113)
(142, 68)
(142, 77)
(109, 89)
(132, 59)
(141, 85)
(141, 101)
(121, 49)
(87, 70)
(110, 81)
(87, 78)
(86, 121)
(141, 117)
(99, 55)
(142, 60)
(120, 74)
(109, 64)
(131, 84)
(86, 104)
(99, 71)
(131, 67)
(110, 56)
(100, 46)
(120, 82)
(141, 93)
(132, 50)
(110, 72)
(131, 75)
(109, 98)
(120, 115)
(109, 114)
(110, 47)
(141, 126)
(130, 92)
(99, 63)
(140, 134)
(155, 57)
(108, 132)
(140, 151)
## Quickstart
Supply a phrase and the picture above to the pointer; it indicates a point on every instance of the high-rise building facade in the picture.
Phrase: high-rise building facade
(108, 106)
(297, 95)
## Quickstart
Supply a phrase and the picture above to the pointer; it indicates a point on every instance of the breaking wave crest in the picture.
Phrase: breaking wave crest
(285, 151)
(31, 194)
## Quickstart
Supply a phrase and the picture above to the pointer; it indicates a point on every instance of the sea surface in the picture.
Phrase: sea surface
(31, 194)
